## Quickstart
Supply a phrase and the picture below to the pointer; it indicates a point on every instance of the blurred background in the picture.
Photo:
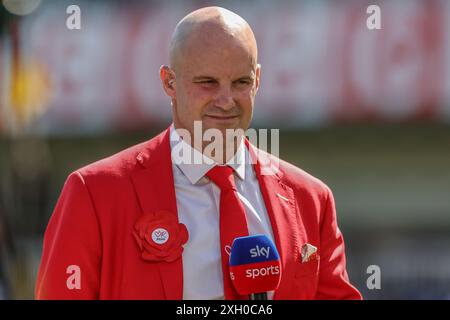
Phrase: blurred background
(366, 111)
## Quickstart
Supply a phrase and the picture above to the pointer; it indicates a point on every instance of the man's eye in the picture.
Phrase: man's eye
(207, 83)
(243, 83)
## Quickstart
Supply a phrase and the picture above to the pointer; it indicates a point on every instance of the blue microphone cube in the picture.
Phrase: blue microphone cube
(255, 265)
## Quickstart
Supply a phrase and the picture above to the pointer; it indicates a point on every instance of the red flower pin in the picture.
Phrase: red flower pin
(160, 237)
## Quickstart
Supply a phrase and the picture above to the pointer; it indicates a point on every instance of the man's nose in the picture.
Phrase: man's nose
(224, 99)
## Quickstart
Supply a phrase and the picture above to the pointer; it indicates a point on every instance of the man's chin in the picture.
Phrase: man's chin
(209, 129)
(227, 131)
(221, 123)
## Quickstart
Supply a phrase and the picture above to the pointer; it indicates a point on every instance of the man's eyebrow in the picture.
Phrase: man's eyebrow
(199, 78)
(251, 77)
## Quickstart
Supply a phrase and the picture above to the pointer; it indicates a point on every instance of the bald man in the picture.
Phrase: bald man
(153, 223)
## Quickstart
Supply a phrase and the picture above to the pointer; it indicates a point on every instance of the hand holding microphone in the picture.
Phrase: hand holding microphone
(255, 266)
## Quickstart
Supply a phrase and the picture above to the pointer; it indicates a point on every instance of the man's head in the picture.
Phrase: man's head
(213, 75)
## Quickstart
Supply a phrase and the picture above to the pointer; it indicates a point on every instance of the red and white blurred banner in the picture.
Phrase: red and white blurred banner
(320, 64)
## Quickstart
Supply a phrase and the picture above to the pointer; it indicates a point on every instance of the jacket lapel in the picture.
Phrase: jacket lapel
(155, 189)
(282, 210)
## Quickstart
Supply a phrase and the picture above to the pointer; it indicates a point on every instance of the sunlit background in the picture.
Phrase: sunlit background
(366, 111)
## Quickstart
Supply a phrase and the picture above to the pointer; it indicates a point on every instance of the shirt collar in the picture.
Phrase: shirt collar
(193, 171)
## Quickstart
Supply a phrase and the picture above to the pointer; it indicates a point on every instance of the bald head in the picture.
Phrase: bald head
(211, 28)
(213, 75)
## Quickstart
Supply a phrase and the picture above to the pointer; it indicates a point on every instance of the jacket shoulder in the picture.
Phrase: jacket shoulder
(126, 160)
(118, 164)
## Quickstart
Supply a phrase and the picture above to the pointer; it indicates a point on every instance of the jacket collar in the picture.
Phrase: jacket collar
(185, 159)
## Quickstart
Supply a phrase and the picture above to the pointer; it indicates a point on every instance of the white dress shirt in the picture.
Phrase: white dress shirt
(198, 202)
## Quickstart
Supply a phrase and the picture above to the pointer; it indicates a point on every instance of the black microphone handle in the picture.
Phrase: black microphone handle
(258, 296)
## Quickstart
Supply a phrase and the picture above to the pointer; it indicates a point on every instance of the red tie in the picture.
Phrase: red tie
(233, 223)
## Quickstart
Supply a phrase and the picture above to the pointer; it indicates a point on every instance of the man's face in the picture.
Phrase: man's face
(215, 83)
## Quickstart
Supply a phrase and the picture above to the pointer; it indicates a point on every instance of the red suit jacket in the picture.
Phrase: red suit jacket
(91, 228)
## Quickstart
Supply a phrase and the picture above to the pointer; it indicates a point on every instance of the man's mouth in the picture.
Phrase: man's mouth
(221, 117)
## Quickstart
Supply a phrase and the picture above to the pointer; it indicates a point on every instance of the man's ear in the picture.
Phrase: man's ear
(257, 75)
(168, 80)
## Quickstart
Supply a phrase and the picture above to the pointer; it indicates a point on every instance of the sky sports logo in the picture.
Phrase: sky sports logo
(254, 264)
(262, 272)
(260, 252)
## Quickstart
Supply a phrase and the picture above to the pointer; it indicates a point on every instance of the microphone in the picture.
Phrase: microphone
(255, 266)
